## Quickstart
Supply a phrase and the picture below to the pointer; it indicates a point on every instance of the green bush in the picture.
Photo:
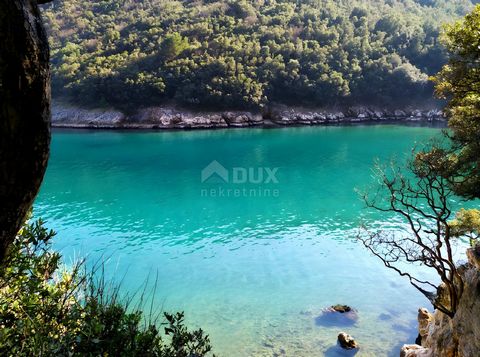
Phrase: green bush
(49, 310)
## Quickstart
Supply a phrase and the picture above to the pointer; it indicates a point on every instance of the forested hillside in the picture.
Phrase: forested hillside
(246, 54)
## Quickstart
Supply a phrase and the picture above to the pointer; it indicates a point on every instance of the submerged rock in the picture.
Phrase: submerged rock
(346, 341)
(341, 308)
(337, 315)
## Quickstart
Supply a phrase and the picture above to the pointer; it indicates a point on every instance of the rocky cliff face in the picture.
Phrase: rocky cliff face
(460, 336)
(174, 118)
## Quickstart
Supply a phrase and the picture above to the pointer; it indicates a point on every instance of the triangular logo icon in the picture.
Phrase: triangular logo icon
(214, 169)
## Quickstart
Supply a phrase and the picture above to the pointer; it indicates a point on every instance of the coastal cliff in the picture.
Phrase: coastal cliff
(174, 118)
(460, 336)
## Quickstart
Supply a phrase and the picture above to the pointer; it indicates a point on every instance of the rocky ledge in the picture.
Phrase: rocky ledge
(173, 118)
(442, 336)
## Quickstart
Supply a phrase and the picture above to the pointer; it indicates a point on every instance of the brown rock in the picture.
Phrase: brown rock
(458, 336)
(346, 341)
(473, 255)
(341, 308)
(425, 319)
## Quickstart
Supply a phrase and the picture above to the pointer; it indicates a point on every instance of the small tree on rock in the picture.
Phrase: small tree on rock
(421, 198)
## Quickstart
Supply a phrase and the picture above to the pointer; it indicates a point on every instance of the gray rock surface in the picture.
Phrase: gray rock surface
(174, 118)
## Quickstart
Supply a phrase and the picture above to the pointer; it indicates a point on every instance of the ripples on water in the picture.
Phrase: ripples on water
(253, 272)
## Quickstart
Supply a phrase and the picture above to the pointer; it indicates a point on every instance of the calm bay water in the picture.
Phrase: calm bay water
(251, 263)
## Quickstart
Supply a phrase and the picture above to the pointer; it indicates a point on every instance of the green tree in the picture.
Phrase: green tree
(245, 54)
(459, 81)
(173, 45)
(467, 224)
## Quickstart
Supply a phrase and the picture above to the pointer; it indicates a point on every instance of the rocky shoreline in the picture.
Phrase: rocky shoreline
(170, 118)
(442, 336)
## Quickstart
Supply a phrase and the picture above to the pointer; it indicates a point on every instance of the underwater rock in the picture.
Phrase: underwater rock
(341, 308)
(384, 317)
(337, 315)
(346, 341)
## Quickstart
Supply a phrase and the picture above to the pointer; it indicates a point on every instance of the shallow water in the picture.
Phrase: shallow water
(254, 267)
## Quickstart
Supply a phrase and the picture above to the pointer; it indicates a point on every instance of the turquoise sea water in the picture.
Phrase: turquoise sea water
(253, 263)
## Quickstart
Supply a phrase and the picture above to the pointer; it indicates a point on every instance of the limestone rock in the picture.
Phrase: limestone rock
(458, 336)
(95, 117)
(425, 319)
(415, 351)
(443, 296)
(337, 315)
(346, 341)
(170, 117)
(344, 312)
(236, 119)
(435, 114)
(473, 255)
(341, 308)
(377, 114)
(256, 119)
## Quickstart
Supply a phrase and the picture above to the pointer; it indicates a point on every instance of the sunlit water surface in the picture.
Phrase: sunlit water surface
(253, 269)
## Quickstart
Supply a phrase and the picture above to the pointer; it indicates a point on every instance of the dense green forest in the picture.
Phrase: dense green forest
(247, 54)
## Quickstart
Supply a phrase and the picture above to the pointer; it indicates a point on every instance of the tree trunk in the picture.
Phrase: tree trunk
(24, 112)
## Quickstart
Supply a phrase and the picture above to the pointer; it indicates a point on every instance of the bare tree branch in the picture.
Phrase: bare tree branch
(422, 201)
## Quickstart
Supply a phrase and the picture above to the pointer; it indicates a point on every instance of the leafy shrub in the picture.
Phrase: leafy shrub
(46, 309)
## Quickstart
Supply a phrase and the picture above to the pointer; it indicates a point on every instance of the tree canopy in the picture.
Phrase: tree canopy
(459, 81)
(239, 53)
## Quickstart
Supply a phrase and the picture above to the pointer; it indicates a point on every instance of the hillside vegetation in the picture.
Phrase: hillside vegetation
(246, 54)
